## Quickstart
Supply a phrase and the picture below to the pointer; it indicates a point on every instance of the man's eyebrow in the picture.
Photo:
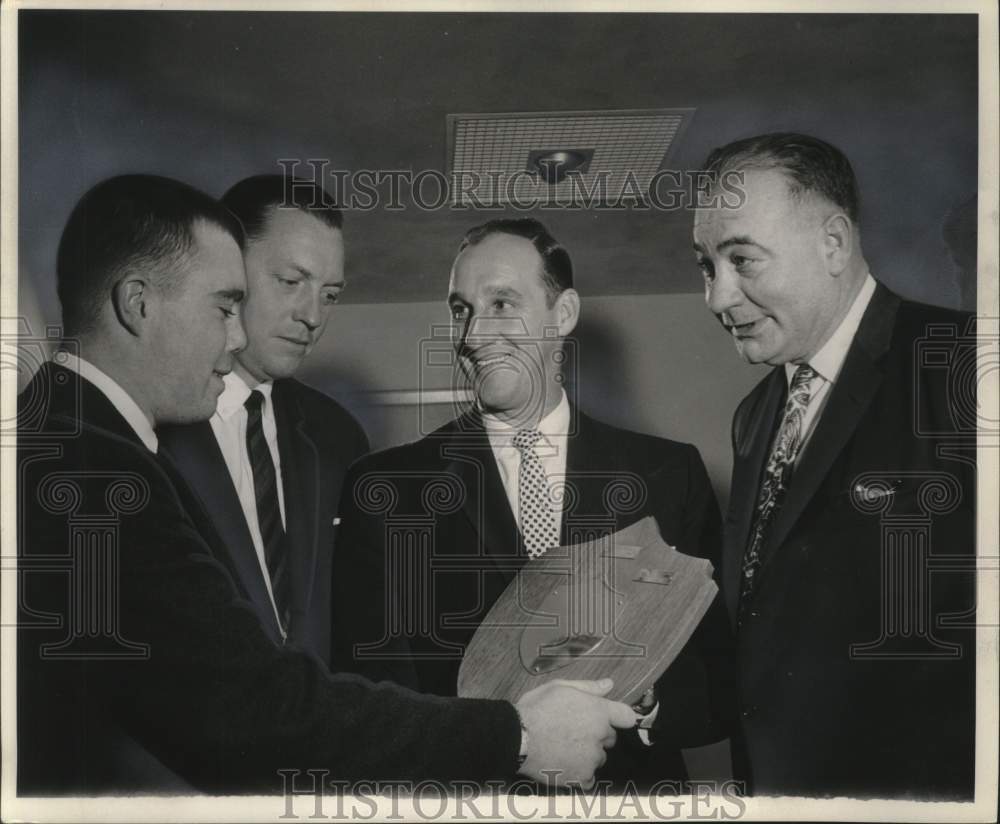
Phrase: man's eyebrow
(505, 292)
(235, 295)
(339, 284)
(740, 240)
(736, 240)
(494, 291)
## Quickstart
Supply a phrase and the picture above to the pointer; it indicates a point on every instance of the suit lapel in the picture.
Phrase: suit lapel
(196, 456)
(300, 474)
(850, 397)
(590, 465)
(486, 507)
(752, 448)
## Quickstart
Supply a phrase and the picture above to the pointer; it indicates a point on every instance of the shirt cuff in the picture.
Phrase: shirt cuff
(646, 723)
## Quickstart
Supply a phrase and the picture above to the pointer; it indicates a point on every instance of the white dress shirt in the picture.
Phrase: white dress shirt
(120, 399)
(828, 362)
(229, 423)
(551, 452)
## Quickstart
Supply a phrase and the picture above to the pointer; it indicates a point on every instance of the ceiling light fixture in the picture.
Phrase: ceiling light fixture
(509, 158)
(553, 165)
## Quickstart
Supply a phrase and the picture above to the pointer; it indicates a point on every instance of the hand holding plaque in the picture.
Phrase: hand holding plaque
(620, 607)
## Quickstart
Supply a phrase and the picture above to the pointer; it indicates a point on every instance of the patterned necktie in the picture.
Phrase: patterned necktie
(777, 474)
(538, 519)
(265, 485)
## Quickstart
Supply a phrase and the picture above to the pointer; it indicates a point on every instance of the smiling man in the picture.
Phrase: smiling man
(856, 663)
(283, 445)
(433, 532)
(512, 304)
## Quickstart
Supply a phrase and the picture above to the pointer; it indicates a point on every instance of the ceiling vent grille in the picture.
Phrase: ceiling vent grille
(492, 155)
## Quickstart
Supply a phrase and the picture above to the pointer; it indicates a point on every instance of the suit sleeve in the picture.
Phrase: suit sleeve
(698, 691)
(363, 641)
(226, 707)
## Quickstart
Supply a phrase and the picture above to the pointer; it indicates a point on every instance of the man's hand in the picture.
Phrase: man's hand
(569, 726)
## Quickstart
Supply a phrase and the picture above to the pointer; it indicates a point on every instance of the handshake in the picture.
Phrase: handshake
(567, 726)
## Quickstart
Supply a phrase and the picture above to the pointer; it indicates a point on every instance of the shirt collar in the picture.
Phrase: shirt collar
(553, 425)
(235, 394)
(120, 399)
(830, 358)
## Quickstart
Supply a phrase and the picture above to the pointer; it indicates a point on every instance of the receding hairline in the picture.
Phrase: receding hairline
(172, 271)
(814, 165)
(819, 205)
(498, 234)
(272, 209)
(540, 268)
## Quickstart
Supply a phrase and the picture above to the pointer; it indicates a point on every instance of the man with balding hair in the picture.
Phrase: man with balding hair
(520, 472)
(847, 563)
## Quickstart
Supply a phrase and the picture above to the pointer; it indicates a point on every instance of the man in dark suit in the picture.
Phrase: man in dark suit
(286, 456)
(434, 531)
(143, 664)
(850, 536)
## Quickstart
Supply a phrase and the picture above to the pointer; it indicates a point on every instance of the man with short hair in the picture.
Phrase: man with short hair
(142, 663)
(522, 471)
(284, 445)
(856, 662)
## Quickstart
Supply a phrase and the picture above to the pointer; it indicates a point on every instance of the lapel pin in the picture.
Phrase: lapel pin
(875, 491)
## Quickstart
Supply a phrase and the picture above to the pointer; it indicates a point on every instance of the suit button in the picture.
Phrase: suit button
(749, 710)
(754, 614)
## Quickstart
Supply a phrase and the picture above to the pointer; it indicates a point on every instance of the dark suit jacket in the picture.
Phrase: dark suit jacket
(821, 713)
(443, 498)
(317, 440)
(142, 665)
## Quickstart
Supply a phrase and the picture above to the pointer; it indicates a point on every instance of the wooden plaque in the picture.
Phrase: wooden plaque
(621, 607)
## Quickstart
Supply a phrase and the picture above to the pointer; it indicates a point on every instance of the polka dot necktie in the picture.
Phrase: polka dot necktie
(777, 474)
(537, 517)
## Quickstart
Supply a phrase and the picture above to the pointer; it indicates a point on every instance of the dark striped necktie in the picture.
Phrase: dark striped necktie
(265, 484)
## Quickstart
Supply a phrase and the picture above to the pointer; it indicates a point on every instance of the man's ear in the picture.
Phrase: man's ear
(839, 238)
(130, 298)
(567, 311)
